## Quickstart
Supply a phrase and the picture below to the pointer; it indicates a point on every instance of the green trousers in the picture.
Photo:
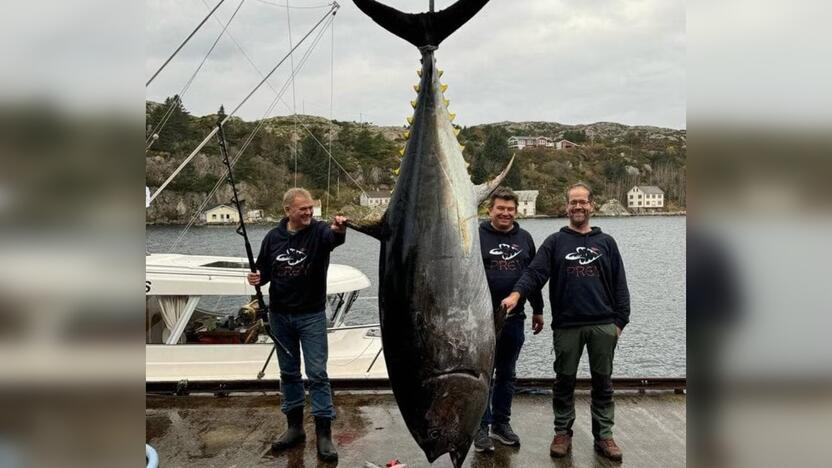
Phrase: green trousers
(600, 342)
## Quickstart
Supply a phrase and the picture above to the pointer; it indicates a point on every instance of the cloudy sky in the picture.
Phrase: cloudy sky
(568, 61)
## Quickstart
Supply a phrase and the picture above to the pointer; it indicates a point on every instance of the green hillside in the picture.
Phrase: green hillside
(287, 150)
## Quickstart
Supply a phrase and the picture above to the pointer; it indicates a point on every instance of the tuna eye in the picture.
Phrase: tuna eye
(434, 433)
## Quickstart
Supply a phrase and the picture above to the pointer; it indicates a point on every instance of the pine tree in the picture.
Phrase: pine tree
(176, 124)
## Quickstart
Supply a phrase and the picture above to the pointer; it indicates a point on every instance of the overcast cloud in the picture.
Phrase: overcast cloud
(568, 61)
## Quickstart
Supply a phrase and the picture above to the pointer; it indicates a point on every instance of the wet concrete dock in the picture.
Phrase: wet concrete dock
(236, 431)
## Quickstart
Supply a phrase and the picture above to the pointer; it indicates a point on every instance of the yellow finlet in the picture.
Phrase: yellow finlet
(416, 87)
(410, 119)
(439, 72)
(413, 104)
(406, 134)
(443, 87)
(396, 170)
(457, 130)
(461, 148)
(419, 72)
(401, 150)
(446, 102)
(451, 116)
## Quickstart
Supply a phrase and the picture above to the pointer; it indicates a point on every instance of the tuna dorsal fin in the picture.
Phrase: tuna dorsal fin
(483, 190)
(421, 29)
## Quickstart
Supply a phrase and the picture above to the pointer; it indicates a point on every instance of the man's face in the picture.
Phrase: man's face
(578, 206)
(300, 211)
(502, 214)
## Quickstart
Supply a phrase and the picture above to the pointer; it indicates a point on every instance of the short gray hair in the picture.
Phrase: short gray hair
(293, 193)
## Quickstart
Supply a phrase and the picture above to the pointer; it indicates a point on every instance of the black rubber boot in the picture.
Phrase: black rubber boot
(294, 434)
(326, 447)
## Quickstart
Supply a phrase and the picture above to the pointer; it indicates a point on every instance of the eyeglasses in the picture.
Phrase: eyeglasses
(578, 202)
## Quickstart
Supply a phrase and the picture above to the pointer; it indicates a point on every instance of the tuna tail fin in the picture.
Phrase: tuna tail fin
(483, 190)
(421, 29)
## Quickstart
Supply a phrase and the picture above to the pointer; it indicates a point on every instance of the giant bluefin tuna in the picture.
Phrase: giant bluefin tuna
(435, 309)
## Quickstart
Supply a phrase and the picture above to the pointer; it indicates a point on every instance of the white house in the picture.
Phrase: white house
(520, 142)
(645, 196)
(222, 214)
(375, 198)
(527, 205)
(254, 216)
(565, 144)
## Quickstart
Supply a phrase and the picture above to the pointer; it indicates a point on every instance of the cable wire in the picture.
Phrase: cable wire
(183, 44)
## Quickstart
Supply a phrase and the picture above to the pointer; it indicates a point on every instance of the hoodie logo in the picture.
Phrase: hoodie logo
(292, 257)
(584, 255)
(505, 251)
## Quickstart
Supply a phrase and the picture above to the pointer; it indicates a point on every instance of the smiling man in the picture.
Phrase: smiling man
(590, 307)
(295, 259)
(506, 252)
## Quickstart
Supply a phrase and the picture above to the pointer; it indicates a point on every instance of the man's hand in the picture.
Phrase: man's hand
(253, 278)
(339, 224)
(537, 323)
(510, 302)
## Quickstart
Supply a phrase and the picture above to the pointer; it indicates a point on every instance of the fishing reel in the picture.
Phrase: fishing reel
(250, 313)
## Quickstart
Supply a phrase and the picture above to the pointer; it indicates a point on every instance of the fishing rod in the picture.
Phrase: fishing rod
(241, 229)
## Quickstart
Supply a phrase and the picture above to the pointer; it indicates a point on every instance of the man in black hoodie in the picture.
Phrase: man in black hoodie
(506, 252)
(295, 259)
(590, 307)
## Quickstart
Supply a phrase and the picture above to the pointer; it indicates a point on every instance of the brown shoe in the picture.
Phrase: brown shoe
(608, 449)
(560, 445)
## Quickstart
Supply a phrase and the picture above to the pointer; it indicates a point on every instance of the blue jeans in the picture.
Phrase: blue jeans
(509, 343)
(307, 331)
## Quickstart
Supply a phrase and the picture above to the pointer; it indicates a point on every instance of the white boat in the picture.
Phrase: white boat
(198, 328)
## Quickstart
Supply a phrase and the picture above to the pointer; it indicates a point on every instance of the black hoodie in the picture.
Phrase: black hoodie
(505, 256)
(296, 265)
(587, 284)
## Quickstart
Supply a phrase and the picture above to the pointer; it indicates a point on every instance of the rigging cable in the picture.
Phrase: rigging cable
(281, 5)
(161, 124)
(216, 129)
(250, 138)
(331, 100)
(294, 101)
(302, 124)
(183, 44)
(280, 95)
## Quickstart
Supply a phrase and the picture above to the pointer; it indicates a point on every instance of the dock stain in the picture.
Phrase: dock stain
(156, 426)
(217, 439)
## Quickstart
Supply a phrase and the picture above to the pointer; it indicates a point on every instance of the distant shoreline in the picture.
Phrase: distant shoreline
(594, 215)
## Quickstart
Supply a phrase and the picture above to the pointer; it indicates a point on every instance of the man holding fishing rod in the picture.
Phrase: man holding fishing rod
(295, 258)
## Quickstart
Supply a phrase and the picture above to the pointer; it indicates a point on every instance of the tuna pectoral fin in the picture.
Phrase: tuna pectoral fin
(500, 315)
(421, 29)
(483, 190)
(372, 229)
